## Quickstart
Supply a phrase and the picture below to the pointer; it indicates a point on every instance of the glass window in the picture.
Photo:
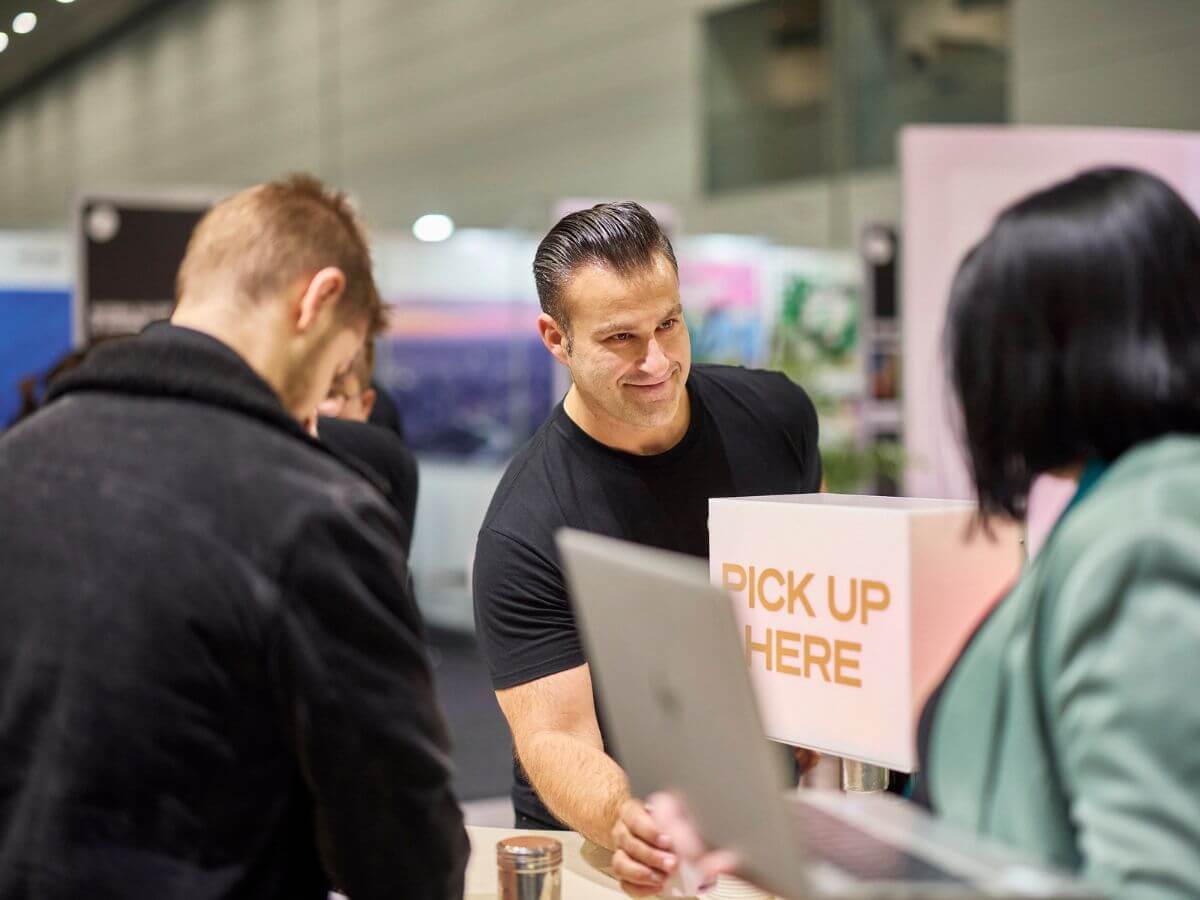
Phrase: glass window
(921, 61)
(767, 94)
(801, 88)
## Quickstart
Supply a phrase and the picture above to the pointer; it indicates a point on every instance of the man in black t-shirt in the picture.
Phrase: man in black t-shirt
(639, 444)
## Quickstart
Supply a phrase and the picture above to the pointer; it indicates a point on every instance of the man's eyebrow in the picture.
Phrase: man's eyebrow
(612, 327)
(617, 327)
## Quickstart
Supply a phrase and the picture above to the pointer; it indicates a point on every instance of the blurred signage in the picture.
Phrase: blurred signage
(130, 248)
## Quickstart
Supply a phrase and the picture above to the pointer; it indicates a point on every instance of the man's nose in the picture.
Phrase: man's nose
(655, 362)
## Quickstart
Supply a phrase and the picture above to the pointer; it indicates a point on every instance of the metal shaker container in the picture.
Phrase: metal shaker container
(530, 868)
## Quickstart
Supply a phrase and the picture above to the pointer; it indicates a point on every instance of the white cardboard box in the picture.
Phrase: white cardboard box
(851, 609)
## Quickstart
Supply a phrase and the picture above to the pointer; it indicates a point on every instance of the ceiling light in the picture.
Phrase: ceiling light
(433, 227)
(24, 22)
(3, 41)
(66, 1)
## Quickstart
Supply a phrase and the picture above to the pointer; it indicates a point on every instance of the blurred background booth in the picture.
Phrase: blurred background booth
(823, 165)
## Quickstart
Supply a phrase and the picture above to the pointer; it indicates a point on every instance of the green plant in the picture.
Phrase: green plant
(850, 469)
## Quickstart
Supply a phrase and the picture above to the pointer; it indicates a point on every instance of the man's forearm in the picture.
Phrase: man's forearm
(581, 784)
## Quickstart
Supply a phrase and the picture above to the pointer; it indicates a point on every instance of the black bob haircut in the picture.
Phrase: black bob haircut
(625, 237)
(1073, 331)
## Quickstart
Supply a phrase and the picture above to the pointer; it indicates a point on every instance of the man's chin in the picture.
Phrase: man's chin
(656, 414)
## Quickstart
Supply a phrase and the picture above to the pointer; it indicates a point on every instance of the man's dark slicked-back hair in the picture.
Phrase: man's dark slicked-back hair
(1073, 332)
(622, 236)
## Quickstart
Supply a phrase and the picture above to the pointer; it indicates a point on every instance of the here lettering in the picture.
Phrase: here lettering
(806, 656)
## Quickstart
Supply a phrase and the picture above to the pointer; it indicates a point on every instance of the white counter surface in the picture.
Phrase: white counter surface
(585, 866)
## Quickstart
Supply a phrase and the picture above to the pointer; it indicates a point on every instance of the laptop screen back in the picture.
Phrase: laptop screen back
(681, 714)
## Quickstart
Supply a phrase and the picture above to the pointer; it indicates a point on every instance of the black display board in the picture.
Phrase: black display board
(880, 250)
(129, 253)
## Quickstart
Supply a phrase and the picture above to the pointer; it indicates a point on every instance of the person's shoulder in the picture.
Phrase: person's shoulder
(380, 456)
(379, 448)
(1153, 487)
(347, 518)
(523, 480)
(261, 491)
(762, 393)
(1140, 524)
(338, 478)
(351, 433)
(762, 382)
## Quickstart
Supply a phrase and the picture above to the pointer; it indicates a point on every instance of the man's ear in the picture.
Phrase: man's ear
(368, 401)
(322, 293)
(557, 341)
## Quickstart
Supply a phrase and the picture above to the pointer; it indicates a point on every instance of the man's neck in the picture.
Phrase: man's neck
(618, 435)
(247, 337)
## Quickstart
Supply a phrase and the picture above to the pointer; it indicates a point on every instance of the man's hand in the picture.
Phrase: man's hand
(675, 836)
(642, 859)
(806, 760)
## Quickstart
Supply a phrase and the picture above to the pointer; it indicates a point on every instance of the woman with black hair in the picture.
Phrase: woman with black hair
(1069, 728)
(1070, 725)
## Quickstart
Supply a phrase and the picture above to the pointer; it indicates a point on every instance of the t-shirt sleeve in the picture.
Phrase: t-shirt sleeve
(800, 422)
(523, 619)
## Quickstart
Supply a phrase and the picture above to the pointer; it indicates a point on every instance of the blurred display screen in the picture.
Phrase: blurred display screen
(131, 253)
(471, 380)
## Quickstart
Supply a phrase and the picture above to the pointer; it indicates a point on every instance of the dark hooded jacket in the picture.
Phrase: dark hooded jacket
(212, 677)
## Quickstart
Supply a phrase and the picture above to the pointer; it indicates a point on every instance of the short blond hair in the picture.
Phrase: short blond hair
(266, 237)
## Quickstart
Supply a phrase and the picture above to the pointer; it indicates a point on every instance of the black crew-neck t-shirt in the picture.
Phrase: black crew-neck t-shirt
(751, 432)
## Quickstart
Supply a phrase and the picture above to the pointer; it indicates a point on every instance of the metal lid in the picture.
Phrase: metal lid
(526, 854)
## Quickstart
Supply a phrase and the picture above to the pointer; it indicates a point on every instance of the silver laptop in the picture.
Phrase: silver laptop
(681, 715)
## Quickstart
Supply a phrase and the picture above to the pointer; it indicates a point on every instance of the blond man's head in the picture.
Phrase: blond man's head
(281, 272)
(256, 244)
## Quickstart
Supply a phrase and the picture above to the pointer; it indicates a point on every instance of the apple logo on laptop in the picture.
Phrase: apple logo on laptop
(665, 696)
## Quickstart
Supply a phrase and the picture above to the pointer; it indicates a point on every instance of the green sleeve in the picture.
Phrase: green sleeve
(1123, 688)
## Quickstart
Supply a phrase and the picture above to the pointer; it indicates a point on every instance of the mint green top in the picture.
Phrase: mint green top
(1070, 728)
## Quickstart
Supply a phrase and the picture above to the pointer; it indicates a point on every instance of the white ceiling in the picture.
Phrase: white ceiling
(63, 32)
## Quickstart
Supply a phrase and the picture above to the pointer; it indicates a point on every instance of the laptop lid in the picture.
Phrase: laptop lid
(679, 709)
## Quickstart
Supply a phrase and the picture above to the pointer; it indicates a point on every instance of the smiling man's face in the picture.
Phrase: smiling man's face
(630, 353)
